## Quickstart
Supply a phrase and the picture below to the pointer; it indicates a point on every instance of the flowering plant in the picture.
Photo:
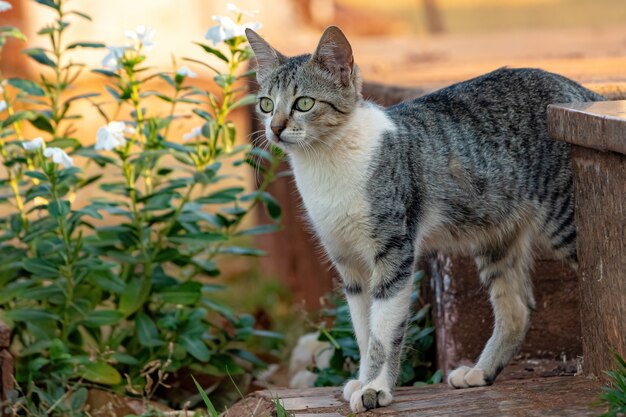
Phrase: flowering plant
(113, 292)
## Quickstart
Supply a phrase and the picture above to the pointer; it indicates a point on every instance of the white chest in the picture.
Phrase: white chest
(333, 185)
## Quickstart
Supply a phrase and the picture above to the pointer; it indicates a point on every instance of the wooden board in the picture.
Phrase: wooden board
(600, 125)
(558, 396)
(598, 133)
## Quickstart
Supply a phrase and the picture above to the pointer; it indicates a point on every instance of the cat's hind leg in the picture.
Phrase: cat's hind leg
(504, 271)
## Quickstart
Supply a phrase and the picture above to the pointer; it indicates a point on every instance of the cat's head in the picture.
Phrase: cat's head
(305, 100)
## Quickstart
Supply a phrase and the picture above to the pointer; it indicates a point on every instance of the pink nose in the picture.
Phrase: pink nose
(278, 130)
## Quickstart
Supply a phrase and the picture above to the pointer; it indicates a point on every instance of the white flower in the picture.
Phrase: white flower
(112, 60)
(233, 8)
(111, 136)
(33, 145)
(195, 132)
(142, 35)
(3, 105)
(228, 29)
(4, 6)
(59, 157)
(186, 72)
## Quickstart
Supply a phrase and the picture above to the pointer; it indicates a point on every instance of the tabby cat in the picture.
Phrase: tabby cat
(469, 167)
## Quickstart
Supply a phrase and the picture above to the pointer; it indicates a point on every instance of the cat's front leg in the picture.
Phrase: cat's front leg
(355, 287)
(390, 292)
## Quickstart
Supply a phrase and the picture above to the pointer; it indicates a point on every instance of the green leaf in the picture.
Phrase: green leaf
(41, 122)
(83, 15)
(185, 293)
(36, 174)
(81, 96)
(106, 73)
(102, 318)
(259, 230)
(269, 334)
(41, 268)
(196, 348)
(44, 293)
(226, 195)
(48, 3)
(205, 398)
(199, 238)
(40, 56)
(147, 332)
(59, 208)
(16, 117)
(27, 86)
(272, 206)
(204, 114)
(100, 373)
(237, 250)
(249, 357)
(213, 51)
(30, 314)
(11, 32)
(244, 101)
(95, 45)
(134, 295)
(79, 398)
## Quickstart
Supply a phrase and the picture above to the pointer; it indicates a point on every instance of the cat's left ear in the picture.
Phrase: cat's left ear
(334, 54)
(267, 58)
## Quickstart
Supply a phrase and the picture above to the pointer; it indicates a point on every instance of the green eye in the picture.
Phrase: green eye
(304, 104)
(266, 105)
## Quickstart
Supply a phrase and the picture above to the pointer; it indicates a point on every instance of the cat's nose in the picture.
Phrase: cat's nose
(278, 129)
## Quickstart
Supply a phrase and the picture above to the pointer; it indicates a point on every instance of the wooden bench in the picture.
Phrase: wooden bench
(597, 132)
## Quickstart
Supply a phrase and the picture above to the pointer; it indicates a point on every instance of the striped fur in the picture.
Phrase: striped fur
(468, 168)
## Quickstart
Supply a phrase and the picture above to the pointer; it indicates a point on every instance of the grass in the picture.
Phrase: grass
(615, 396)
(280, 408)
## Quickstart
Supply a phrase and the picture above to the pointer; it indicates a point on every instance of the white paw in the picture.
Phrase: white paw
(352, 386)
(466, 377)
(368, 398)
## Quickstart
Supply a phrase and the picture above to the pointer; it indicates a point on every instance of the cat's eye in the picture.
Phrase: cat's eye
(304, 104)
(266, 105)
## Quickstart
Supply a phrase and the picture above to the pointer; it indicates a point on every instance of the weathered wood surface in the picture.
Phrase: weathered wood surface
(600, 194)
(557, 396)
(600, 125)
(463, 316)
(6, 368)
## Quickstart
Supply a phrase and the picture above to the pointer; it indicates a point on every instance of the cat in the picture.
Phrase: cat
(469, 167)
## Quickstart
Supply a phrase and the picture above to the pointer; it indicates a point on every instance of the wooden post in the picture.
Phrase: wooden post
(597, 132)
(6, 370)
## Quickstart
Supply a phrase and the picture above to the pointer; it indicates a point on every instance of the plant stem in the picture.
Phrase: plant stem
(55, 98)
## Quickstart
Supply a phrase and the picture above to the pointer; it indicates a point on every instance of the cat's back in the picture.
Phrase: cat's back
(507, 100)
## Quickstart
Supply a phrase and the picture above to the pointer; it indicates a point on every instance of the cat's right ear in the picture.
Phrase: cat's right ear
(267, 58)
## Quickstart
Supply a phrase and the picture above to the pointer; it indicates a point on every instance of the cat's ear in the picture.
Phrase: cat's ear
(267, 58)
(334, 54)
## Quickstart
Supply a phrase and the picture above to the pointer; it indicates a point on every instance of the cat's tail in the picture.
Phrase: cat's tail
(609, 90)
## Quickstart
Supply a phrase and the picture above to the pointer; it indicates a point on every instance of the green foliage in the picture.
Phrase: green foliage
(614, 397)
(417, 366)
(114, 291)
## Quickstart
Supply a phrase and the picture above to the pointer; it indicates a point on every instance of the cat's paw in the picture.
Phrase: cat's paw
(368, 398)
(352, 386)
(466, 377)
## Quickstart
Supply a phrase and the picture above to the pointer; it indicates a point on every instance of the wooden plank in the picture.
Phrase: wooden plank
(600, 195)
(557, 396)
(597, 125)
